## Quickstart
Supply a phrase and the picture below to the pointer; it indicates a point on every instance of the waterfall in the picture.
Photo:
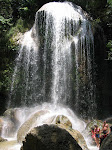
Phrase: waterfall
(55, 63)
(54, 71)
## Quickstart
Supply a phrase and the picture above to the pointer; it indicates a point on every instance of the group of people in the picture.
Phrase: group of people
(99, 135)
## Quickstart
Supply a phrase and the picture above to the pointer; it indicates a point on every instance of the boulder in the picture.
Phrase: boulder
(9, 128)
(49, 120)
(60, 119)
(49, 137)
(76, 135)
(12, 115)
(9, 145)
(2, 139)
(107, 143)
(29, 124)
(8, 123)
(63, 120)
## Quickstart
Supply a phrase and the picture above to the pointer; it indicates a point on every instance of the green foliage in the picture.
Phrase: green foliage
(109, 46)
(19, 27)
(4, 21)
(109, 25)
(24, 8)
(110, 3)
(14, 34)
(96, 22)
(1, 84)
(5, 75)
(109, 13)
(13, 21)
(5, 24)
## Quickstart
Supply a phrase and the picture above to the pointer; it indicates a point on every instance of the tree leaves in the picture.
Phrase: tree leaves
(4, 21)
(109, 2)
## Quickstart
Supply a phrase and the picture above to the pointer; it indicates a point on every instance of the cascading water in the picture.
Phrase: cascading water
(55, 64)
(56, 61)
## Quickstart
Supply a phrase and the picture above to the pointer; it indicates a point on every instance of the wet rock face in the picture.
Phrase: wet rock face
(107, 143)
(28, 125)
(49, 137)
(63, 120)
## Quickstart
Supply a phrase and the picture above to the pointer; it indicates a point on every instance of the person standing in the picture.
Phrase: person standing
(97, 135)
(105, 128)
(105, 131)
(92, 133)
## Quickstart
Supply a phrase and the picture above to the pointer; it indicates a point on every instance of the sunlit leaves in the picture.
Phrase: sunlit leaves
(4, 21)
(109, 45)
(24, 8)
(109, 2)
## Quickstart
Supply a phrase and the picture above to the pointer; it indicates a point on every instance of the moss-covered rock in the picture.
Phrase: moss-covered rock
(49, 137)
(2, 139)
(107, 143)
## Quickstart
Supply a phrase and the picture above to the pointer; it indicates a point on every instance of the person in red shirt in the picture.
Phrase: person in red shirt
(97, 135)
(92, 133)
